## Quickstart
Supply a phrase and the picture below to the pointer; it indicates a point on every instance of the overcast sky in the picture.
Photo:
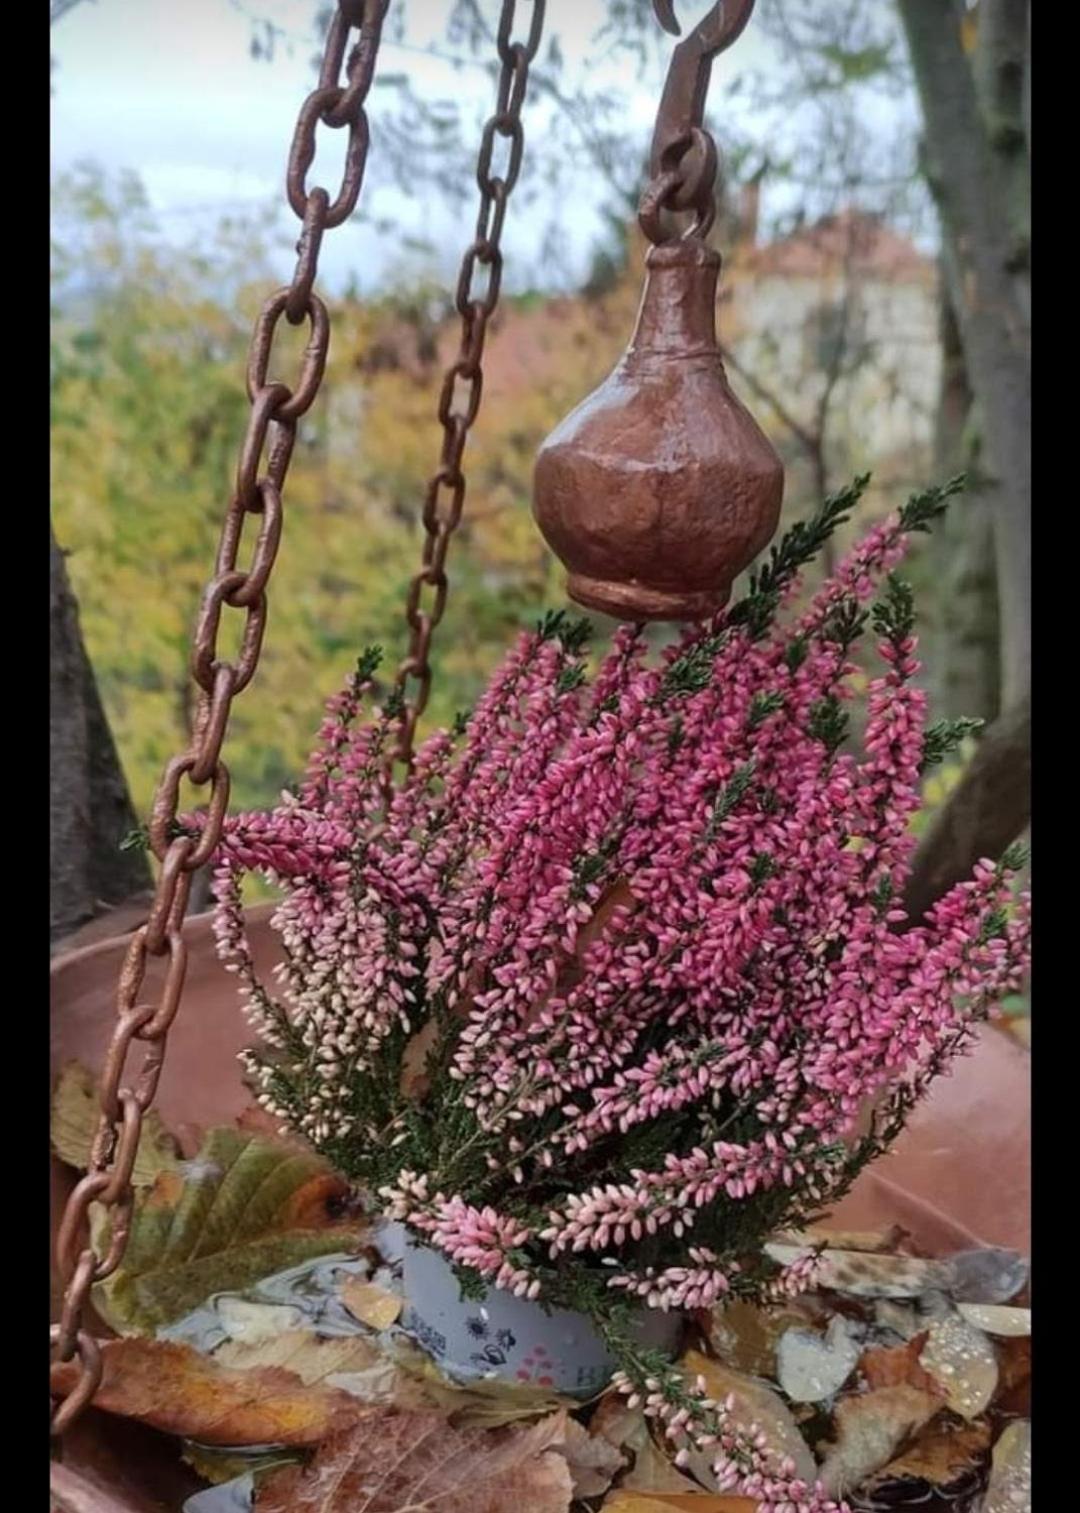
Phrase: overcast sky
(171, 91)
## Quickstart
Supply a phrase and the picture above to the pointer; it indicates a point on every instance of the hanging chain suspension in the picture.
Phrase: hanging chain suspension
(126, 1094)
(683, 159)
(445, 496)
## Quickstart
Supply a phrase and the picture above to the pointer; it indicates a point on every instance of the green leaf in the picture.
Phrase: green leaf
(74, 1122)
(245, 1208)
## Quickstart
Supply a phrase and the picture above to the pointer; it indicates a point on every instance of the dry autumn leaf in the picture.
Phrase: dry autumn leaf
(592, 1460)
(997, 1318)
(482, 1404)
(899, 1365)
(962, 1360)
(74, 1123)
(1014, 1382)
(947, 1457)
(870, 1427)
(653, 1472)
(418, 1463)
(865, 1275)
(754, 1402)
(415, 1081)
(745, 1336)
(243, 1209)
(1009, 1490)
(373, 1306)
(627, 1429)
(174, 1388)
(314, 1359)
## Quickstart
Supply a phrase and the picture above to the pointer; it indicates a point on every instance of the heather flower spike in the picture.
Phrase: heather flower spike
(642, 931)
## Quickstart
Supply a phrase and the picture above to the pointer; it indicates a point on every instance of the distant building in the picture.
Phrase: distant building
(846, 309)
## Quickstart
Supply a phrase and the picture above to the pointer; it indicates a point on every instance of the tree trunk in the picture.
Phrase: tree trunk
(973, 173)
(966, 660)
(89, 808)
(978, 170)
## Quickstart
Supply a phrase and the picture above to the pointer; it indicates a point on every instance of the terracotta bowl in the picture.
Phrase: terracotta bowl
(958, 1176)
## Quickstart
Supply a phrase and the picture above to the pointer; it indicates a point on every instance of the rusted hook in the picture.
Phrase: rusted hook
(680, 118)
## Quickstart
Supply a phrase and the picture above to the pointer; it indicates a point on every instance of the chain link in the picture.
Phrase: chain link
(126, 1094)
(462, 387)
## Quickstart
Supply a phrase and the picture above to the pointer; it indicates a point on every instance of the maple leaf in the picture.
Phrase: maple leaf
(176, 1389)
(417, 1463)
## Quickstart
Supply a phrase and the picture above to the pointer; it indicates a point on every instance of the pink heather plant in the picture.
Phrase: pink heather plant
(618, 984)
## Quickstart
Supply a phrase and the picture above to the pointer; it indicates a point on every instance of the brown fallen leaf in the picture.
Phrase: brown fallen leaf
(622, 1426)
(374, 1306)
(870, 1428)
(627, 1429)
(415, 1081)
(900, 1365)
(592, 1460)
(418, 1463)
(174, 1388)
(745, 1336)
(653, 1472)
(754, 1402)
(1014, 1379)
(947, 1457)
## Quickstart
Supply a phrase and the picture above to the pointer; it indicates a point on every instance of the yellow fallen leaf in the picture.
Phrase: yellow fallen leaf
(373, 1306)
(483, 1404)
(176, 1389)
(74, 1123)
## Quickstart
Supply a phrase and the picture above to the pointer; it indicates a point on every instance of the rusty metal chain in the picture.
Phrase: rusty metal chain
(683, 160)
(127, 1093)
(459, 398)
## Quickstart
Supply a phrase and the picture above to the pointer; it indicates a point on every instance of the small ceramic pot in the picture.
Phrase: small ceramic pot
(510, 1337)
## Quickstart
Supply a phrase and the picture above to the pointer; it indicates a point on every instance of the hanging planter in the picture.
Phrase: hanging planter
(592, 1002)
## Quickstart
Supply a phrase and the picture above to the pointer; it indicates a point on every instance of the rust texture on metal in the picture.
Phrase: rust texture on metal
(683, 157)
(338, 103)
(660, 488)
(477, 297)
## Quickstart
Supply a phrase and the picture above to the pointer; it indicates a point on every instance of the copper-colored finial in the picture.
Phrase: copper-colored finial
(660, 488)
